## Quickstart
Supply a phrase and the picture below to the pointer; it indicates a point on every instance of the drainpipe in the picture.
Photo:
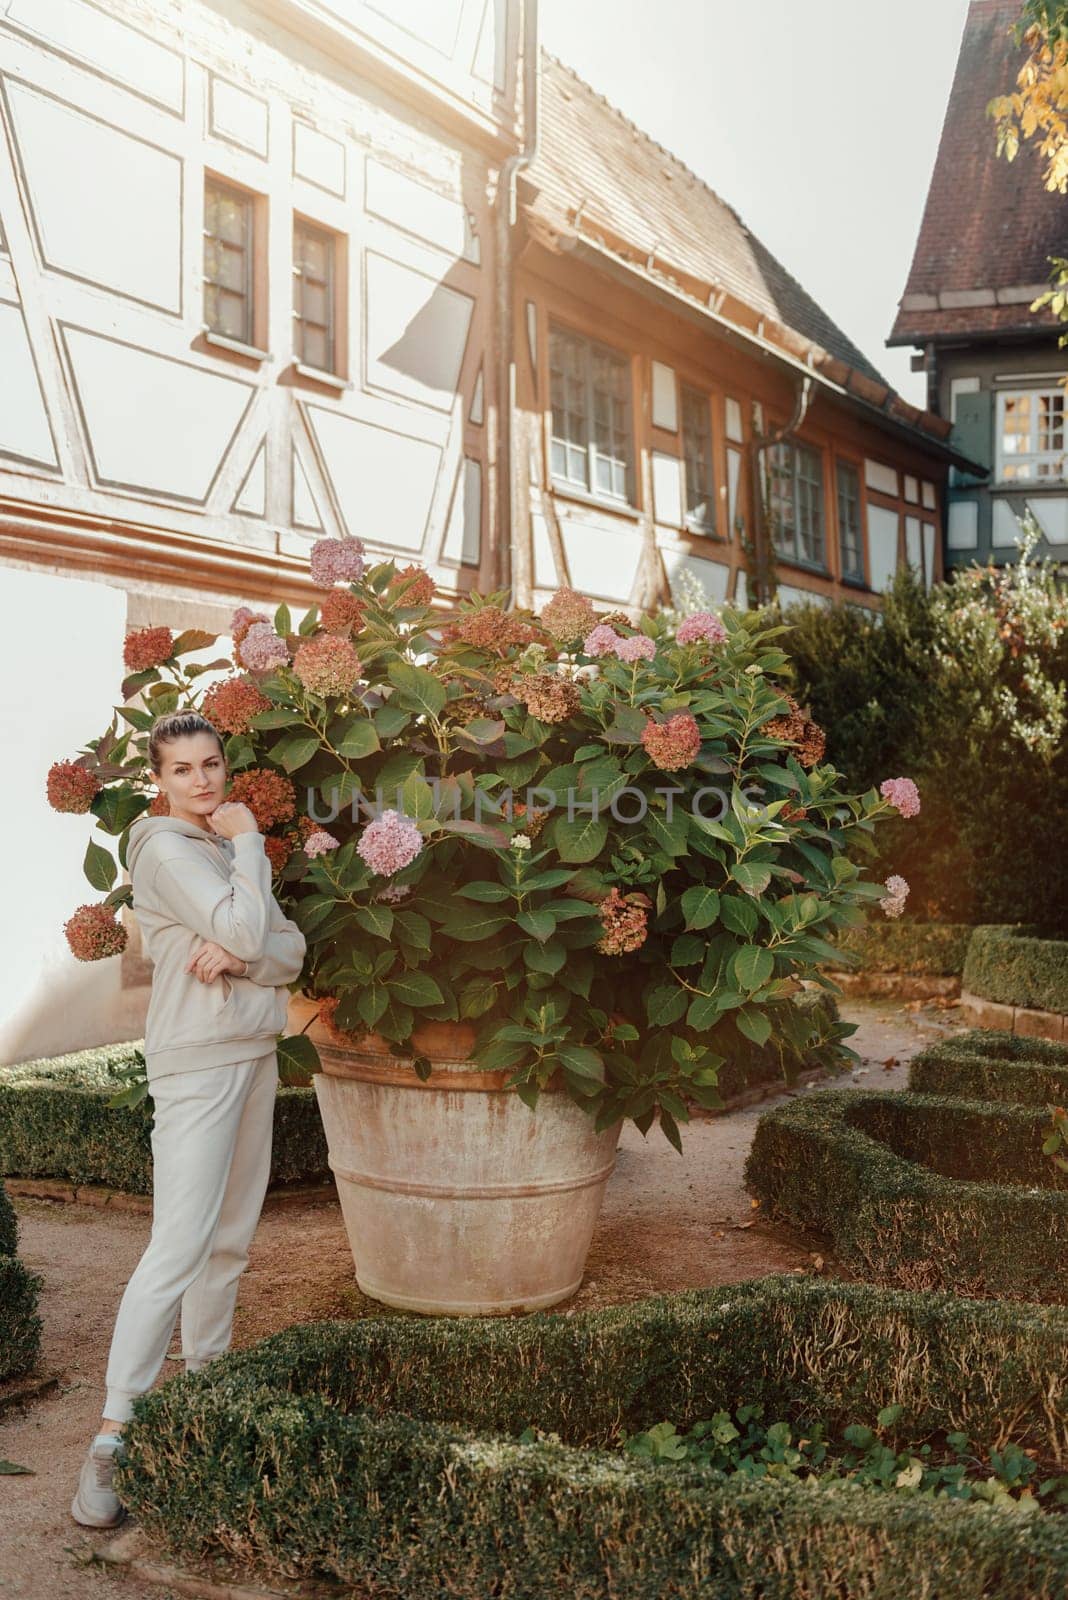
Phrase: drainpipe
(503, 218)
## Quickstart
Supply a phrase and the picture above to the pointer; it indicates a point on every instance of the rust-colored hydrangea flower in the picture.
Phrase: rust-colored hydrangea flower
(792, 813)
(327, 1013)
(625, 921)
(674, 743)
(797, 728)
(93, 934)
(490, 628)
(532, 824)
(270, 796)
(568, 615)
(341, 612)
(160, 807)
(278, 849)
(327, 664)
(147, 647)
(546, 696)
(71, 787)
(232, 703)
(411, 586)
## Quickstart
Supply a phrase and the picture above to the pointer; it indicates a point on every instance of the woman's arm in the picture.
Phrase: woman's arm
(235, 915)
(283, 952)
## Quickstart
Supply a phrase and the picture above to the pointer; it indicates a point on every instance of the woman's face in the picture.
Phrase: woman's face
(193, 777)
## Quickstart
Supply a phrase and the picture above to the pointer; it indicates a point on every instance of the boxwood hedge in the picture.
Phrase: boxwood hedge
(20, 1326)
(55, 1122)
(930, 949)
(385, 1452)
(920, 1191)
(993, 1065)
(1019, 966)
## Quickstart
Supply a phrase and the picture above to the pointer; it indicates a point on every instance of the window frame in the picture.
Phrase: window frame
(335, 324)
(1004, 459)
(860, 574)
(252, 341)
(691, 519)
(794, 555)
(589, 489)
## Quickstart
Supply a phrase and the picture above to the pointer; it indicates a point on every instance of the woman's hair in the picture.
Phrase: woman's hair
(178, 725)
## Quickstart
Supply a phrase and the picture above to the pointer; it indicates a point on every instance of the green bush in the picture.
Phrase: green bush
(385, 1452)
(55, 1122)
(20, 1326)
(934, 949)
(956, 688)
(1025, 966)
(982, 1065)
(824, 1163)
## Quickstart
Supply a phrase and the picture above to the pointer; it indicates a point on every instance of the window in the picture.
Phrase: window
(591, 432)
(314, 319)
(697, 460)
(228, 261)
(1031, 436)
(795, 502)
(850, 530)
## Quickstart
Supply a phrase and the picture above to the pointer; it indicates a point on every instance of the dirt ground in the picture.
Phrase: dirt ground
(668, 1222)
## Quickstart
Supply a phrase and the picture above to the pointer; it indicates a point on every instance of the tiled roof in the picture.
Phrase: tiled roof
(989, 225)
(597, 177)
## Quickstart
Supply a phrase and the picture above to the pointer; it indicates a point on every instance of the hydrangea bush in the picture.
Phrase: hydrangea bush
(615, 849)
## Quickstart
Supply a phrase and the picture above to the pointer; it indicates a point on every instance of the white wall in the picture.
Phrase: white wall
(60, 676)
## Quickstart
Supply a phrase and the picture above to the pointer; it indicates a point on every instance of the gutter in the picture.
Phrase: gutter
(608, 260)
(505, 308)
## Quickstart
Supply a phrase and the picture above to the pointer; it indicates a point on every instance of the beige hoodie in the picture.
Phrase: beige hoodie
(189, 885)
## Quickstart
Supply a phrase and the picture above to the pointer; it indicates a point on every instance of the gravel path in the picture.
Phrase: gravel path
(668, 1222)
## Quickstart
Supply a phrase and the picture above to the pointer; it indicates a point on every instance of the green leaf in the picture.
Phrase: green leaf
(193, 639)
(412, 928)
(415, 989)
(752, 876)
(754, 1024)
(418, 687)
(481, 730)
(376, 919)
(665, 1004)
(580, 840)
(578, 1058)
(295, 751)
(297, 1057)
(541, 923)
(477, 996)
(549, 957)
(116, 808)
(10, 1467)
(686, 950)
(390, 720)
(99, 866)
(279, 717)
(283, 622)
(740, 916)
(752, 966)
(358, 739)
(372, 1002)
(700, 907)
(469, 923)
(416, 798)
(484, 891)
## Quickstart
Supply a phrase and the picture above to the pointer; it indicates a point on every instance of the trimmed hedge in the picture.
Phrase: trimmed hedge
(55, 1122)
(20, 1326)
(827, 1163)
(384, 1452)
(988, 1065)
(1019, 966)
(931, 949)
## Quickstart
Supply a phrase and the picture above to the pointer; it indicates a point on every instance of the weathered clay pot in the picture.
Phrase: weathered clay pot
(457, 1198)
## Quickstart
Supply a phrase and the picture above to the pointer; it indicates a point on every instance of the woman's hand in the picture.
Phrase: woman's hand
(232, 818)
(209, 961)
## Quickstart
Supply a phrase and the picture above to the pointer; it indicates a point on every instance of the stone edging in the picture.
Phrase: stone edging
(897, 985)
(980, 1013)
(95, 1194)
(131, 1553)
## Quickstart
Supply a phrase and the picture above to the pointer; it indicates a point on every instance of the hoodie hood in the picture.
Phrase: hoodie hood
(146, 828)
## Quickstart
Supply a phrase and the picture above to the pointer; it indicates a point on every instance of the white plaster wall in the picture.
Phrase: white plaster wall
(59, 646)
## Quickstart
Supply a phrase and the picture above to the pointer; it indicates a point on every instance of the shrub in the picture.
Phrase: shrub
(1019, 966)
(384, 1452)
(935, 949)
(818, 1163)
(55, 1122)
(20, 1326)
(981, 1065)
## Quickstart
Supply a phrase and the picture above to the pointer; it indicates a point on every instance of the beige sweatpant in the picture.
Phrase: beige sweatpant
(211, 1152)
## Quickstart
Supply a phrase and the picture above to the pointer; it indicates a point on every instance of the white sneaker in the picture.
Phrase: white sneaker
(96, 1505)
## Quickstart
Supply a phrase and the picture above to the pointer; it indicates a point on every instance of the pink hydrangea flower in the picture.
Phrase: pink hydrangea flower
(903, 794)
(638, 647)
(893, 903)
(336, 561)
(261, 648)
(601, 641)
(701, 625)
(389, 843)
(319, 842)
(327, 664)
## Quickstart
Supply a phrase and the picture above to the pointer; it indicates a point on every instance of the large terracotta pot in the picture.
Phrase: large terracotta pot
(457, 1198)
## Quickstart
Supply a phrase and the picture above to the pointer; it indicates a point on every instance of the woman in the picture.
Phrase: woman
(223, 954)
